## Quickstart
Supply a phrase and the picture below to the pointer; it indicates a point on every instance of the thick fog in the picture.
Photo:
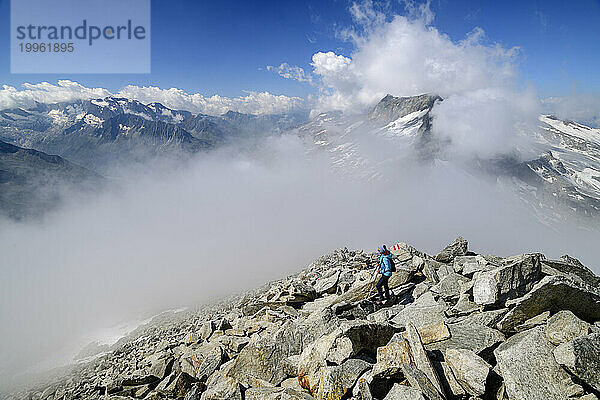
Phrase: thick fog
(229, 220)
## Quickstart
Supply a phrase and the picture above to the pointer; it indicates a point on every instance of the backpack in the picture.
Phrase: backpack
(392, 264)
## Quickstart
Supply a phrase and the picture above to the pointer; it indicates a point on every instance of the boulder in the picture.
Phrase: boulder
(181, 384)
(221, 387)
(533, 321)
(471, 336)
(463, 306)
(449, 382)
(262, 357)
(418, 380)
(391, 357)
(450, 286)
(206, 329)
(202, 361)
(434, 333)
(420, 289)
(581, 356)
(457, 248)
(404, 252)
(276, 393)
(565, 326)
(553, 293)
(161, 364)
(506, 282)
(335, 381)
(350, 339)
(468, 265)
(487, 318)
(402, 392)
(420, 357)
(424, 311)
(429, 269)
(328, 284)
(530, 372)
(470, 370)
(362, 390)
(571, 267)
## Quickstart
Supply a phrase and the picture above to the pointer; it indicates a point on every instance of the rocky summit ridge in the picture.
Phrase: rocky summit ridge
(461, 326)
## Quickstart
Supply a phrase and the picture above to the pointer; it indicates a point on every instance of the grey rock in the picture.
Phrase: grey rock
(276, 393)
(470, 370)
(458, 247)
(195, 393)
(290, 365)
(350, 339)
(203, 361)
(468, 265)
(539, 319)
(181, 384)
(206, 330)
(450, 286)
(328, 284)
(420, 357)
(429, 269)
(401, 392)
(487, 318)
(581, 356)
(506, 282)
(424, 311)
(161, 365)
(391, 357)
(530, 372)
(221, 387)
(572, 267)
(470, 336)
(463, 306)
(553, 293)
(262, 358)
(565, 326)
(421, 382)
(391, 108)
(421, 288)
(362, 389)
(335, 381)
(449, 382)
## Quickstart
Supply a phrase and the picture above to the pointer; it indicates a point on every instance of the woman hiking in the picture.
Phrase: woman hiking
(385, 269)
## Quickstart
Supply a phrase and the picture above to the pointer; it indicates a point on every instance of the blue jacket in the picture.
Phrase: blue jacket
(385, 266)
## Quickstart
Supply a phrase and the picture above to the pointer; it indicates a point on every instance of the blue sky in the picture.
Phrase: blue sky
(223, 47)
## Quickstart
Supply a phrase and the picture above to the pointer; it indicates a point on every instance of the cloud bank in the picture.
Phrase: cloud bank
(580, 107)
(65, 90)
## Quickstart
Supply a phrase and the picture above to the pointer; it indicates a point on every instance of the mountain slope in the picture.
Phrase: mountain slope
(32, 182)
(99, 133)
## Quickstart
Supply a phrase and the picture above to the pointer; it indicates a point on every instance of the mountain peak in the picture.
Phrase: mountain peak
(391, 107)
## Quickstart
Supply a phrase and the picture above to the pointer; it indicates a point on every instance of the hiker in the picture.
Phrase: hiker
(385, 269)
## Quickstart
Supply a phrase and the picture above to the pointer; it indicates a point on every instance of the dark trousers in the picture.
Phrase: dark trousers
(383, 282)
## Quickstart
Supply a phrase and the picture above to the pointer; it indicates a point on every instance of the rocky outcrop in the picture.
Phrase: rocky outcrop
(460, 326)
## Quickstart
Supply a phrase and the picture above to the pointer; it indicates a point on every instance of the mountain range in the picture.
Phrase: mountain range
(100, 134)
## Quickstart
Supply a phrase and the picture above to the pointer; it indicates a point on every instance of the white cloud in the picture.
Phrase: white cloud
(581, 107)
(407, 55)
(45, 92)
(252, 103)
(65, 90)
(291, 72)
